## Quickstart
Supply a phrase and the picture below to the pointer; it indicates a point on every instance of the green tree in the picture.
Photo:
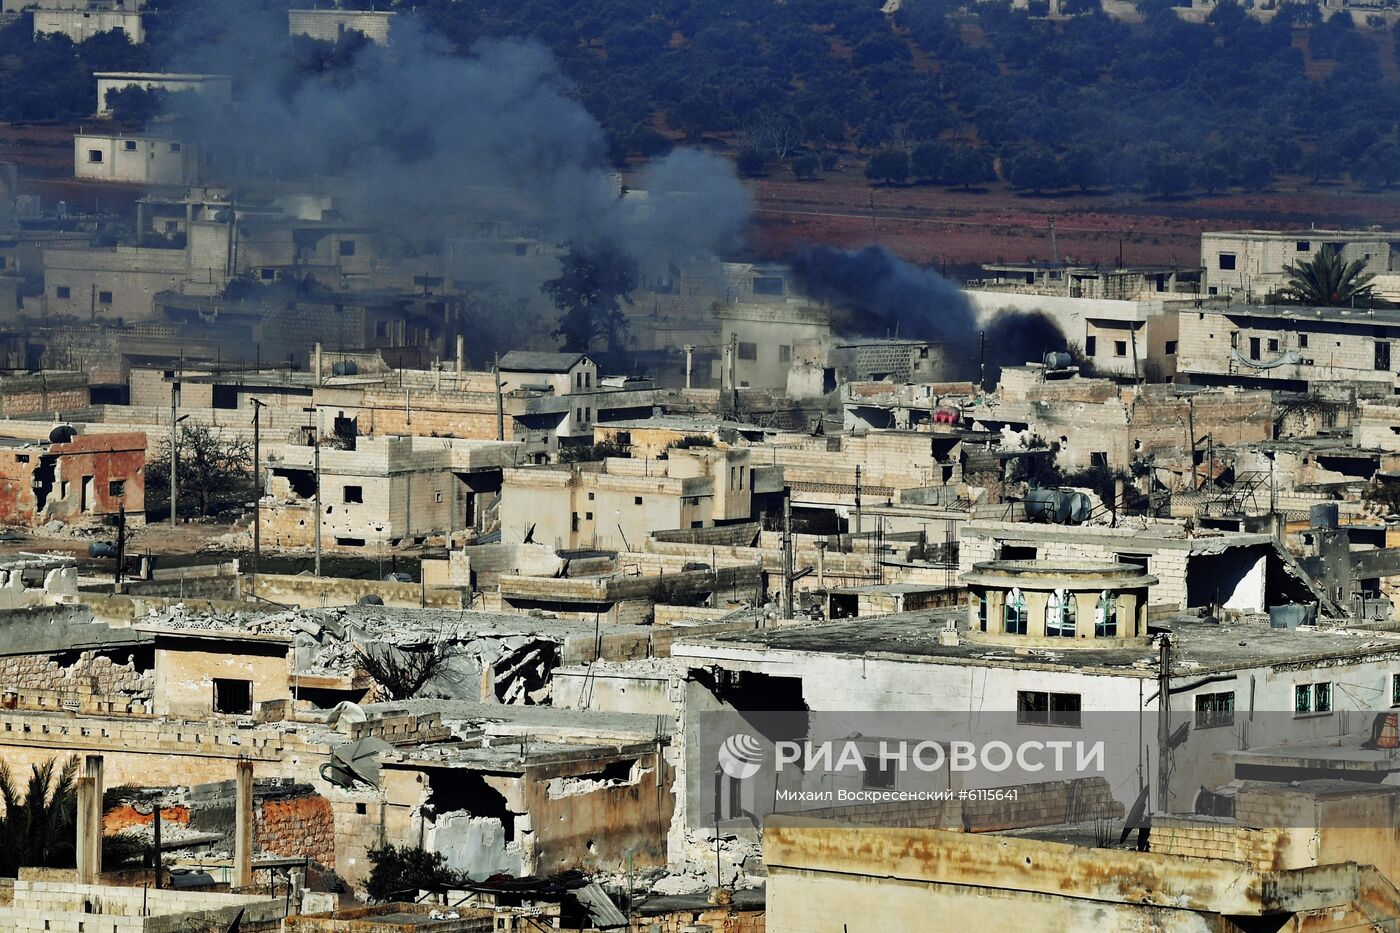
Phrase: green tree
(38, 828)
(967, 166)
(1169, 175)
(929, 161)
(888, 166)
(592, 286)
(1035, 169)
(398, 873)
(1326, 280)
(1083, 168)
(135, 105)
(750, 161)
(805, 166)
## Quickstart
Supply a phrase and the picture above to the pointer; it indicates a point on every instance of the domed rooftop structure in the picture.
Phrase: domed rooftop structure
(1061, 604)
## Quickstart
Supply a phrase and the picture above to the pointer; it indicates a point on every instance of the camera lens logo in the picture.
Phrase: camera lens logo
(741, 756)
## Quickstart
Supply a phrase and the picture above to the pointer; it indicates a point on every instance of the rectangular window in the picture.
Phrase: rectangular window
(175, 147)
(104, 298)
(1395, 689)
(1137, 560)
(1312, 698)
(353, 494)
(1171, 348)
(573, 522)
(636, 500)
(1254, 348)
(62, 291)
(437, 496)
(588, 516)
(878, 774)
(590, 497)
(1215, 709)
(1091, 345)
(1016, 552)
(784, 353)
(21, 458)
(129, 145)
(94, 155)
(1303, 341)
(1227, 260)
(1120, 348)
(116, 487)
(1304, 246)
(347, 247)
(578, 380)
(1038, 707)
(233, 696)
(1382, 354)
(748, 351)
(1273, 344)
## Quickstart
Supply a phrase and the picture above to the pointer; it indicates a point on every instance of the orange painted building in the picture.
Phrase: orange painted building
(83, 479)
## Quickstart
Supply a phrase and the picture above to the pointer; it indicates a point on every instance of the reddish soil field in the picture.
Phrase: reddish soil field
(934, 225)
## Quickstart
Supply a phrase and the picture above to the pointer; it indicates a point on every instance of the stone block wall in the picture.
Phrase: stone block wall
(92, 675)
(297, 827)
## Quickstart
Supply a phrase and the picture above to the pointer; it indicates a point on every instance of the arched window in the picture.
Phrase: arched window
(1015, 612)
(1060, 615)
(1106, 616)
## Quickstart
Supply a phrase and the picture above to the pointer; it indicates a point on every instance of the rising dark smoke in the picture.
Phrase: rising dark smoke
(428, 143)
(877, 294)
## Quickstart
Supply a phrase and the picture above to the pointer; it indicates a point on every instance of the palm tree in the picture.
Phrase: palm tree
(38, 829)
(1326, 281)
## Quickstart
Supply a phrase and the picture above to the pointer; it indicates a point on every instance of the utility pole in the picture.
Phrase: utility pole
(316, 440)
(1164, 720)
(121, 549)
(1191, 437)
(174, 450)
(982, 360)
(500, 402)
(787, 553)
(856, 530)
(257, 492)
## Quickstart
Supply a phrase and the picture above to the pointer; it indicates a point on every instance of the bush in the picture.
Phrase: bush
(751, 162)
(400, 872)
(590, 452)
(890, 166)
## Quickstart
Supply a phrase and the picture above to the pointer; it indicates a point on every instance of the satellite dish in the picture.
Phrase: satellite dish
(62, 434)
(355, 761)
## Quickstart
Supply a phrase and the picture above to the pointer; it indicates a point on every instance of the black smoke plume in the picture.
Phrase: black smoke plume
(428, 141)
(876, 294)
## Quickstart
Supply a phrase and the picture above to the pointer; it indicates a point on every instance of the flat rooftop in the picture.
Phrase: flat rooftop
(914, 636)
(1300, 314)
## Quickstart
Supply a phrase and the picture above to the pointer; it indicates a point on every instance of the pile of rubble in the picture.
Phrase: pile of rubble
(513, 655)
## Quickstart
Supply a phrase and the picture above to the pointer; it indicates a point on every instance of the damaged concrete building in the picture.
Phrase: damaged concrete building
(615, 501)
(383, 492)
(73, 479)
